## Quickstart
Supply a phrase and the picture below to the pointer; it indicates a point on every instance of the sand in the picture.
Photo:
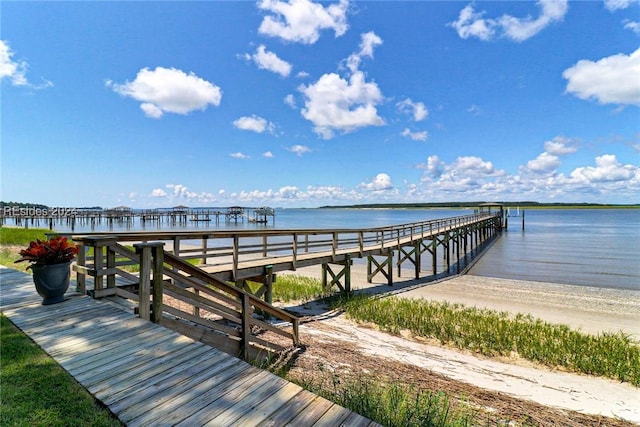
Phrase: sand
(589, 309)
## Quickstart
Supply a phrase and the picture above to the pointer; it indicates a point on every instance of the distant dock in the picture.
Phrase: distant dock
(126, 217)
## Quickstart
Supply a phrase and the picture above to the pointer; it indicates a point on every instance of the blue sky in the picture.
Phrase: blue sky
(305, 104)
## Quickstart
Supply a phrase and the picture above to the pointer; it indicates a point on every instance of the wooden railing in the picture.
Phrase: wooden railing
(230, 250)
(201, 306)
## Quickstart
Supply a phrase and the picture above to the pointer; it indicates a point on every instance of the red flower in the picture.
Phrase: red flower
(54, 251)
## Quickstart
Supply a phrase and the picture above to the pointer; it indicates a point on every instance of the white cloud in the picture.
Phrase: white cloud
(334, 103)
(472, 24)
(299, 149)
(239, 155)
(614, 5)
(368, 41)
(269, 61)
(268, 154)
(169, 90)
(560, 146)
(254, 123)
(611, 80)
(181, 193)
(302, 20)
(607, 169)
(16, 71)
(417, 109)
(416, 136)
(290, 100)
(633, 26)
(545, 163)
(473, 166)
(381, 182)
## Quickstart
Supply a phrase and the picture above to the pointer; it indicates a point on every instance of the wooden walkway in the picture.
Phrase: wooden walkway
(148, 375)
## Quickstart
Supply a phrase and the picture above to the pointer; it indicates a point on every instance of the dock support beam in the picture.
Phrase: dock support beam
(335, 278)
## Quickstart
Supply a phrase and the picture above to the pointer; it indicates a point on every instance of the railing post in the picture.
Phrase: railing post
(81, 261)
(246, 325)
(151, 259)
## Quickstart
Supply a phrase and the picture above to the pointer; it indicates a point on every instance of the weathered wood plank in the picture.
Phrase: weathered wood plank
(311, 413)
(275, 402)
(135, 388)
(184, 381)
(297, 404)
(142, 369)
(186, 404)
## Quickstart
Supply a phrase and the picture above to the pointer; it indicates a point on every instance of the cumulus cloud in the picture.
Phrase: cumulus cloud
(334, 103)
(299, 149)
(302, 20)
(545, 163)
(611, 80)
(560, 146)
(268, 154)
(169, 90)
(254, 123)
(182, 193)
(381, 182)
(416, 136)
(473, 24)
(269, 61)
(16, 71)
(417, 110)
(607, 169)
(614, 5)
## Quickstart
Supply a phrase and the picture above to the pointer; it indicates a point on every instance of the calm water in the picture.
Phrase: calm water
(578, 247)
(591, 247)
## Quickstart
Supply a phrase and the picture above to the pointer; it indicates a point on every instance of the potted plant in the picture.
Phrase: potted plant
(50, 261)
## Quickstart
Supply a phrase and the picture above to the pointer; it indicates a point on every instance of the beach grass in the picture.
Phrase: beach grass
(393, 404)
(291, 287)
(36, 391)
(493, 333)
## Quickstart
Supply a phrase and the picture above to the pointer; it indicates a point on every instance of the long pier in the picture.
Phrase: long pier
(123, 217)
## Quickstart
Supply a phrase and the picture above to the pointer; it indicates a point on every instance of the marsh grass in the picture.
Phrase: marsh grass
(492, 333)
(291, 287)
(36, 391)
(393, 405)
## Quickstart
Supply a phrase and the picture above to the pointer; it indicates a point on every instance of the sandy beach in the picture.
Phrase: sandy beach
(592, 310)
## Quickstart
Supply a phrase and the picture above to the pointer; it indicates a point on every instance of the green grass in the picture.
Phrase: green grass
(493, 333)
(394, 405)
(36, 391)
(291, 287)
(21, 236)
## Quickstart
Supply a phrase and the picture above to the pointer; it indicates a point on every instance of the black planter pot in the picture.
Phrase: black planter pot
(52, 281)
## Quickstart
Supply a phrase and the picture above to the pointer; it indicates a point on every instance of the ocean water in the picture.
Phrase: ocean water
(590, 247)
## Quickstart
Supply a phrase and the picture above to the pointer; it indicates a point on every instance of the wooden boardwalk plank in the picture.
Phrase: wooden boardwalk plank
(105, 385)
(149, 375)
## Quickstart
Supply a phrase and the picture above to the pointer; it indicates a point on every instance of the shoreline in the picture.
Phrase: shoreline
(589, 309)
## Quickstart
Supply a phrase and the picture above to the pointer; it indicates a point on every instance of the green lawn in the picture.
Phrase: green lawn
(36, 391)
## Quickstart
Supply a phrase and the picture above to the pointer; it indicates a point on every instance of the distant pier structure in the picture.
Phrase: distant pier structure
(124, 217)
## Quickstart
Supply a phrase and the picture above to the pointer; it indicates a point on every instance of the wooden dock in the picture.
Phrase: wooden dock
(149, 375)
